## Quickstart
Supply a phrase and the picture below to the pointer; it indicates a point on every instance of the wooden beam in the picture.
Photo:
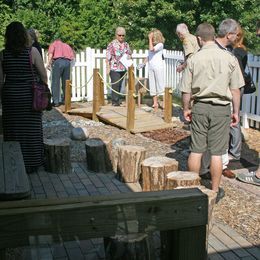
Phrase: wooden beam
(130, 100)
(14, 182)
(101, 216)
(96, 94)
(168, 105)
(101, 98)
(68, 96)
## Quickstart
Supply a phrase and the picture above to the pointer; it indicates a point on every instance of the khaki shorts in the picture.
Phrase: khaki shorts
(210, 127)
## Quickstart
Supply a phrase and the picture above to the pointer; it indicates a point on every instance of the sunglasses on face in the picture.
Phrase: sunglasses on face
(121, 35)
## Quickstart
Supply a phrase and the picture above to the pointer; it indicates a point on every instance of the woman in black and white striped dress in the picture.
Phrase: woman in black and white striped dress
(20, 123)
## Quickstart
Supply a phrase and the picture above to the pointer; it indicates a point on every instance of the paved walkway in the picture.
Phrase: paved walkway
(224, 242)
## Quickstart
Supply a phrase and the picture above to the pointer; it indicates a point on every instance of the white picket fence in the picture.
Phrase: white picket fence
(86, 61)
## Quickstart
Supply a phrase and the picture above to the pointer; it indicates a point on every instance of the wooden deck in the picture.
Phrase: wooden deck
(117, 116)
(224, 243)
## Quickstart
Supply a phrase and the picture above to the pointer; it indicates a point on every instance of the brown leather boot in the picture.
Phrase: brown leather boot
(228, 173)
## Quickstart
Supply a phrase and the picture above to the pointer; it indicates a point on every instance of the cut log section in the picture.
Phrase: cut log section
(133, 246)
(154, 171)
(57, 155)
(212, 195)
(129, 162)
(97, 156)
(113, 151)
(182, 179)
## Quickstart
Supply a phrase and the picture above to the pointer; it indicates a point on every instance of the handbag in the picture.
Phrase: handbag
(249, 86)
(41, 95)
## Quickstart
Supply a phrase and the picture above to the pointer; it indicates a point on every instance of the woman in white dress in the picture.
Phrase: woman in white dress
(156, 65)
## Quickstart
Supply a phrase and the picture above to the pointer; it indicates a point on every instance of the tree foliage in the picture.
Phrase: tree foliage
(92, 23)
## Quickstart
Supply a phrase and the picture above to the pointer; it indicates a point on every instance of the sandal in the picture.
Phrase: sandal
(249, 178)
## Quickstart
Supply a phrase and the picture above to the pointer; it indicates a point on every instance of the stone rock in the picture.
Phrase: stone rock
(79, 134)
(147, 109)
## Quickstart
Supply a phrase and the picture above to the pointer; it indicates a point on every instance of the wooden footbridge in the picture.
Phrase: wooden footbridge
(130, 117)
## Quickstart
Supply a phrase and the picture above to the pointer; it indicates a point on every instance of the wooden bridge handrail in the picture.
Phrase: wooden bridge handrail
(100, 216)
(130, 100)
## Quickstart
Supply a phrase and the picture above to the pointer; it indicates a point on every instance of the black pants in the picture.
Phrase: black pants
(115, 76)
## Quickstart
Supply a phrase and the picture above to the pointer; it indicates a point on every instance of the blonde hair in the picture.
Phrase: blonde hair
(239, 42)
(157, 36)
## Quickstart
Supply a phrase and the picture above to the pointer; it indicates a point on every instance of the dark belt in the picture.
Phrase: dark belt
(61, 58)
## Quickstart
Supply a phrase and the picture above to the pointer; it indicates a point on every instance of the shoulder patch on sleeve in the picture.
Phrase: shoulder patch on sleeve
(185, 41)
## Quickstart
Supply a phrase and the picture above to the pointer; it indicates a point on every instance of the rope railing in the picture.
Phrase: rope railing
(108, 84)
(85, 85)
(157, 93)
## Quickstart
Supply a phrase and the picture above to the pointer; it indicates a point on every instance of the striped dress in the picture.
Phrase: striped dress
(20, 123)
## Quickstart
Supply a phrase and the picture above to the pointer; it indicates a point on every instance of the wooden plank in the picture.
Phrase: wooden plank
(2, 173)
(221, 248)
(213, 254)
(254, 251)
(83, 217)
(229, 242)
(16, 183)
(117, 116)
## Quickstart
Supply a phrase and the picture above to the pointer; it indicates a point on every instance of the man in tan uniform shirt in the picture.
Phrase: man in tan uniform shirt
(189, 41)
(211, 80)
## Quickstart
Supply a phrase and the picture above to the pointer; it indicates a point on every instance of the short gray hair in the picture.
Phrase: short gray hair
(227, 26)
(182, 28)
(120, 30)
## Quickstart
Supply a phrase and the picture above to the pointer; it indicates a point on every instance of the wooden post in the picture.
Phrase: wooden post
(154, 171)
(168, 105)
(132, 246)
(112, 148)
(96, 95)
(97, 156)
(68, 96)
(57, 154)
(101, 98)
(1, 121)
(130, 100)
(129, 162)
(178, 179)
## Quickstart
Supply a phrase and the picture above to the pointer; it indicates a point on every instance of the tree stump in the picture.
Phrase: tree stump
(57, 155)
(211, 199)
(129, 162)
(97, 156)
(154, 171)
(182, 179)
(132, 246)
(113, 151)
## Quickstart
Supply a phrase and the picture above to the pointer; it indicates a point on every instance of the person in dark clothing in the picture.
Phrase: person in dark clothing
(239, 49)
(20, 122)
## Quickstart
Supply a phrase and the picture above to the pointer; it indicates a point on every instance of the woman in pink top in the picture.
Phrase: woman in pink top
(115, 51)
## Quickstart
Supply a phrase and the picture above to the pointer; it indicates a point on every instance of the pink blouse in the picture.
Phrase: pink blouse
(115, 51)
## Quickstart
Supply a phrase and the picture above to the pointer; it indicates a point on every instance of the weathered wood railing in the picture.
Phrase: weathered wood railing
(180, 214)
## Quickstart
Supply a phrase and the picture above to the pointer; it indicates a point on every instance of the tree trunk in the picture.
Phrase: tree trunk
(154, 171)
(57, 154)
(113, 151)
(97, 156)
(129, 162)
(182, 179)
